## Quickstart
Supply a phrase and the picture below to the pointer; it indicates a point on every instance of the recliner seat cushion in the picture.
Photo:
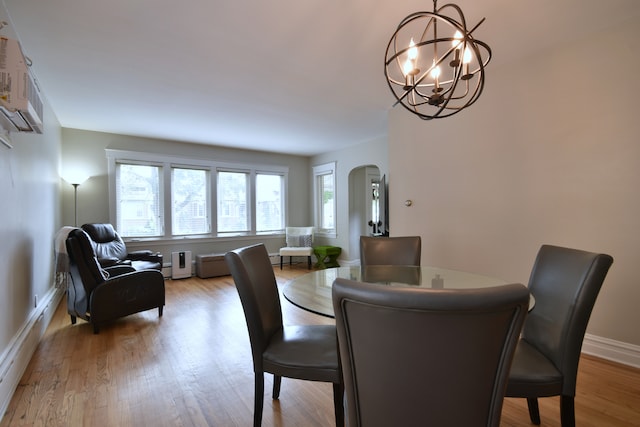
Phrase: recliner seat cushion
(144, 265)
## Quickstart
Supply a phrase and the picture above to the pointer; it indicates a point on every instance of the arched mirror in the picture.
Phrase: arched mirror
(379, 207)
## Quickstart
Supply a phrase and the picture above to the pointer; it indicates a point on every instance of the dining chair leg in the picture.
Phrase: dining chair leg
(338, 403)
(259, 399)
(567, 411)
(534, 411)
(277, 379)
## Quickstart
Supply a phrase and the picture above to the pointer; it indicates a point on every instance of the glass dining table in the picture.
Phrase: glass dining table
(312, 291)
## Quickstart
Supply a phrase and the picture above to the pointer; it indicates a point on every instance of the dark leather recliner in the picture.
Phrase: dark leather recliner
(111, 249)
(96, 295)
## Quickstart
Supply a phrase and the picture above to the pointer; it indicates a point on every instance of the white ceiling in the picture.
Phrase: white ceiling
(292, 76)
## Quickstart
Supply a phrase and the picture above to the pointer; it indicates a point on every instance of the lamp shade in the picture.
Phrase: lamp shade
(76, 177)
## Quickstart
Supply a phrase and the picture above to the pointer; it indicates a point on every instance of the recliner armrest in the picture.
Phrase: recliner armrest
(145, 255)
(112, 261)
(139, 254)
(119, 269)
(127, 294)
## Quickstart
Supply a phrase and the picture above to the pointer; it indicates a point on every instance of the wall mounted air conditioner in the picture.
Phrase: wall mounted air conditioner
(20, 102)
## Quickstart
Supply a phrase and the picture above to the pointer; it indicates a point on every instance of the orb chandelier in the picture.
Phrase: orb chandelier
(434, 66)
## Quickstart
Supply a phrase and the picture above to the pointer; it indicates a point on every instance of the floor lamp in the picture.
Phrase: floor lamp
(75, 203)
(75, 180)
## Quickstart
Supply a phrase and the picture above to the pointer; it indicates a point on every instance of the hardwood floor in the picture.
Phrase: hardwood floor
(192, 367)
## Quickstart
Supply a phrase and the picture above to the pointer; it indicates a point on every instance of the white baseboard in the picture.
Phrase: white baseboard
(616, 351)
(275, 259)
(15, 359)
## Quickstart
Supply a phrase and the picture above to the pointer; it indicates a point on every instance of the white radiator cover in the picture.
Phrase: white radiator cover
(180, 264)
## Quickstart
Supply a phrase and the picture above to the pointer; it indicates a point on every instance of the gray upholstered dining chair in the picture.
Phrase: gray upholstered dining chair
(306, 352)
(421, 356)
(565, 283)
(401, 250)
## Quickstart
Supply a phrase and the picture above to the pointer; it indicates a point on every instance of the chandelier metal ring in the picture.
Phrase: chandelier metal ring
(434, 66)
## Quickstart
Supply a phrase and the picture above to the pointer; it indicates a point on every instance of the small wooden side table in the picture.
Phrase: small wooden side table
(327, 256)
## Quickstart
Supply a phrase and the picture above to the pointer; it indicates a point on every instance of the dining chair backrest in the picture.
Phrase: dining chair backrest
(255, 281)
(416, 356)
(400, 250)
(305, 352)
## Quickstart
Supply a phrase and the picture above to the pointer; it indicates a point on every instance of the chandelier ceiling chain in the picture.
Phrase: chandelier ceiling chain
(434, 65)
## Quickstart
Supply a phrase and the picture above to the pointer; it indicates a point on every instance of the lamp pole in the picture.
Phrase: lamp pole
(75, 202)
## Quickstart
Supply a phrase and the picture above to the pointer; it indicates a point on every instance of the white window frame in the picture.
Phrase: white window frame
(168, 162)
(319, 171)
(207, 204)
(249, 199)
(283, 205)
(161, 195)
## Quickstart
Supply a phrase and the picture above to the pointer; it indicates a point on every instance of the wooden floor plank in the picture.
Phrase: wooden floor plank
(192, 367)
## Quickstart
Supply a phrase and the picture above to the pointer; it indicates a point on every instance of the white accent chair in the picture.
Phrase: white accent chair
(299, 243)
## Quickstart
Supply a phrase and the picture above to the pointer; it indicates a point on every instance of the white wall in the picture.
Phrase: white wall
(549, 154)
(86, 150)
(29, 220)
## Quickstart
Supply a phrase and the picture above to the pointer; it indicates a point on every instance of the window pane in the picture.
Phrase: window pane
(328, 201)
(232, 201)
(189, 201)
(269, 202)
(139, 200)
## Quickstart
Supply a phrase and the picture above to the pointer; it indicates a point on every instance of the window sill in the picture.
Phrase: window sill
(203, 238)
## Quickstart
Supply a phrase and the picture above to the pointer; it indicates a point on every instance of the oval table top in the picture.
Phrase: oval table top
(312, 291)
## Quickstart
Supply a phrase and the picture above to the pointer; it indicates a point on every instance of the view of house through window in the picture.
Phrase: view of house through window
(203, 197)
(269, 206)
(324, 198)
(190, 210)
(328, 201)
(232, 201)
(139, 196)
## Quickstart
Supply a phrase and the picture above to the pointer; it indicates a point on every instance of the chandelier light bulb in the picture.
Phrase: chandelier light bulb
(468, 56)
(457, 38)
(435, 70)
(412, 53)
(407, 68)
